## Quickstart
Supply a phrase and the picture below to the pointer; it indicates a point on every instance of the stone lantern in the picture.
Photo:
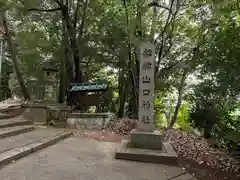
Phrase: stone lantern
(50, 82)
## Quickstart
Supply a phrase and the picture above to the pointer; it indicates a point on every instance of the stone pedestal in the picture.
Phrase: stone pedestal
(146, 140)
(147, 147)
(46, 112)
(56, 115)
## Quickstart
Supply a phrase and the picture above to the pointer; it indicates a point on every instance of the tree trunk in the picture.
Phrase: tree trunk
(122, 94)
(179, 100)
(13, 52)
(5, 91)
(67, 67)
(71, 31)
(73, 44)
(62, 84)
(135, 77)
(132, 99)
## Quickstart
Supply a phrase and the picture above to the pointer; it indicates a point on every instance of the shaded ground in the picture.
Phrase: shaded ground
(200, 170)
(201, 159)
(204, 172)
(195, 155)
(99, 135)
(83, 159)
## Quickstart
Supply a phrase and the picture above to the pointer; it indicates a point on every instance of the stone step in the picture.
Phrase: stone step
(17, 121)
(13, 131)
(6, 116)
(16, 147)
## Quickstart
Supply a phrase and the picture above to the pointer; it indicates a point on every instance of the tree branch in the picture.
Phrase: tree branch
(169, 38)
(81, 27)
(115, 53)
(167, 24)
(21, 1)
(59, 3)
(44, 10)
(178, 64)
(164, 72)
(75, 19)
(152, 4)
(168, 21)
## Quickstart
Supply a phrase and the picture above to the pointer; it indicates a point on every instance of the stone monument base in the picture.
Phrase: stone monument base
(146, 140)
(147, 147)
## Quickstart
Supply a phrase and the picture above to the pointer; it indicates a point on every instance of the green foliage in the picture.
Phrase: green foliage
(161, 120)
(183, 117)
(109, 98)
(212, 113)
(205, 116)
(227, 131)
(222, 57)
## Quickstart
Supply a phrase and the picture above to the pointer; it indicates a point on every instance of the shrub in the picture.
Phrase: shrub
(217, 121)
(183, 118)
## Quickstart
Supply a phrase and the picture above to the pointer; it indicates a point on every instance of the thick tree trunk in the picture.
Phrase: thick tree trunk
(179, 100)
(71, 31)
(62, 84)
(133, 89)
(73, 44)
(69, 71)
(135, 77)
(177, 107)
(63, 73)
(13, 52)
(67, 68)
(122, 94)
(132, 99)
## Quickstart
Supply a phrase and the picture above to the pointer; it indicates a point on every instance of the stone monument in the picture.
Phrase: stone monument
(145, 144)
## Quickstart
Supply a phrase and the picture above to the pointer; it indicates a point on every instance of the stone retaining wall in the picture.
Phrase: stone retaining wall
(45, 113)
(59, 116)
(89, 120)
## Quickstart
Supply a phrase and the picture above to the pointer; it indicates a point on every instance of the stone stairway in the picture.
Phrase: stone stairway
(19, 138)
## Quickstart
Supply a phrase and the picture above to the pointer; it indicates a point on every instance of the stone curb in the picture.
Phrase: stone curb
(15, 123)
(17, 153)
(14, 132)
